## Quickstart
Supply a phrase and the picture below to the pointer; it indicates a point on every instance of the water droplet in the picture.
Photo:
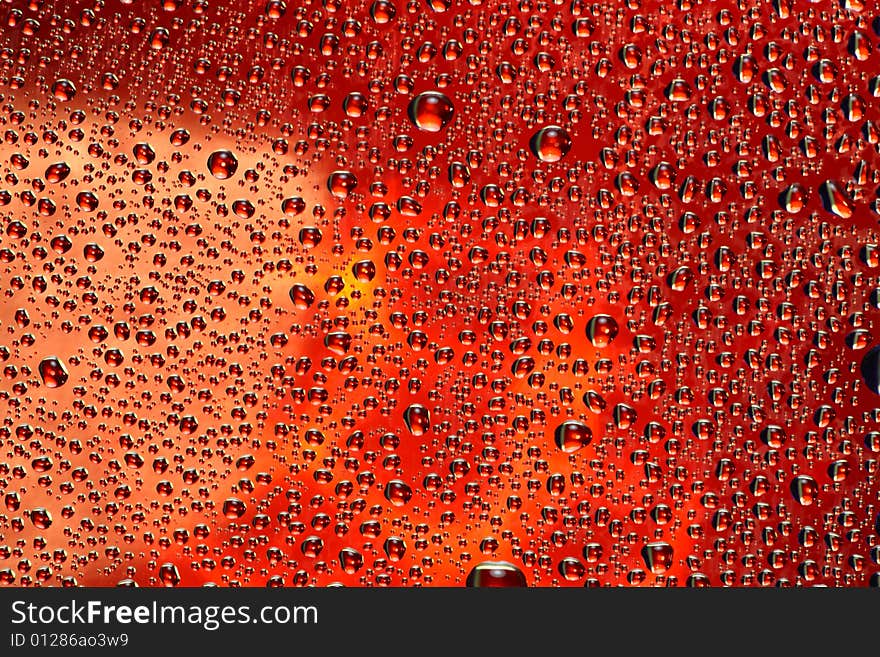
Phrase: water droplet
(41, 518)
(339, 342)
(301, 296)
(571, 569)
(663, 176)
(398, 493)
(144, 153)
(341, 183)
(550, 144)
(234, 508)
(169, 575)
(64, 90)
(835, 199)
(382, 11)
(601, 330)
(364, 270)
(496, 574)
(53, 372)
(572, 436)
(351, 560)
(794, 198)
(179, 137)
(222, 164)
(870, 369)
(395, 548)
(417, 419)
(312, 546)
(355, 104)
(431, 111)
(57, 172)
(805, 489)
(658, 557)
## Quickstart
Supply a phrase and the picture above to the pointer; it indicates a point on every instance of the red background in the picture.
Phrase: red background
(221, 375)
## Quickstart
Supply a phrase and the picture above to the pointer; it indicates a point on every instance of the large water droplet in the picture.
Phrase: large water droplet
(658, 557)
(57, 172)
(551, 143)
(572, 436)
(496, 574)
(395, 548)
(601, 330)
(431, 111)
(805, 489)
(341, 183)
(871, 370)
(364, 270)
(64, 90)
(222, 164)
(835, 200)
(234, 508)
(397, 492)
(41, 518)
(417, 419)
(301, 296)
(53, 372)
(351, 560)
(169, 575)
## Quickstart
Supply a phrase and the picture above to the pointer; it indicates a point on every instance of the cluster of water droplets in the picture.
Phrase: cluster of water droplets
(440, 292)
